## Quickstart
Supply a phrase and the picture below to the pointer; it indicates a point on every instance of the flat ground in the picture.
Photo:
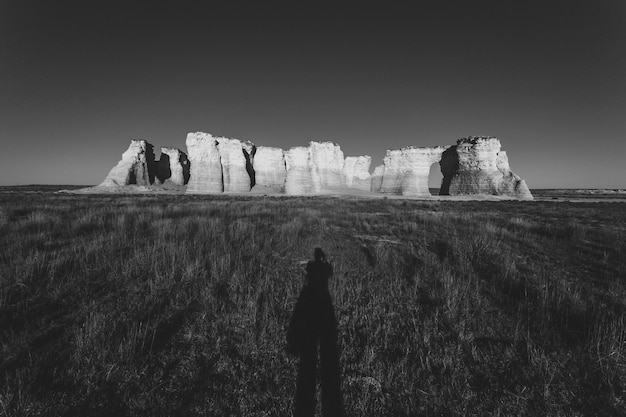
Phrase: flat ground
(178, 305)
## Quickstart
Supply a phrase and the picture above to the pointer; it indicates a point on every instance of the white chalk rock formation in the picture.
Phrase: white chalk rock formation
(481, 168)
(219, 164)
(301, 178)
(511, 184)
(269, 170)
(137, 166)
(475, 165)
(173, 166)
(420, 161)
(327, 161)
(396, 166)
(206, 165)
(357, 172)
(236, 159)
(377, 179)
(406, 170)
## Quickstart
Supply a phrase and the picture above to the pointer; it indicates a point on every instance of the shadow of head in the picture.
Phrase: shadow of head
(319, 255)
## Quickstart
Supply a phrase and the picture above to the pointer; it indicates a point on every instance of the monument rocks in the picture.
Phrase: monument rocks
(474, 166)
(137, 166)
(405, 171)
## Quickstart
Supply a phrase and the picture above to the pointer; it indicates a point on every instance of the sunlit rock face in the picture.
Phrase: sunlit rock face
(395, 167)
(235, 157)
(420, 160)
(357, 172)
(406, 170)
(316, 168)
(474, 166)
(479, 167)
(327, 163)
(173, 166)
(300, 172)
(270, 170)
(511, 184)
(206, 165)
(137, 166)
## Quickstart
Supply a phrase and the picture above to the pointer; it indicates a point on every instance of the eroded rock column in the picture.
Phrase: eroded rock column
(356, 172)
(270, 170)
(300, 178)
(511, 184)
(327, 161)
(206, 166)
(235, 157)
(483, 169)
(137, 166)
(173, 166)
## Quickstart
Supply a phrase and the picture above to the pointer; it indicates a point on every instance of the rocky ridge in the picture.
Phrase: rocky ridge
(474, 166)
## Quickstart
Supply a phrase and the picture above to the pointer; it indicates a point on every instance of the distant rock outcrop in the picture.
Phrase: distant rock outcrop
(477, 166)
(406, 170)
(137, 166)
(474, 166)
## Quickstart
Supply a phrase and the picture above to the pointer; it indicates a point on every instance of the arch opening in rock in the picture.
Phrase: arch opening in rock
(164, 170)
(435, 179)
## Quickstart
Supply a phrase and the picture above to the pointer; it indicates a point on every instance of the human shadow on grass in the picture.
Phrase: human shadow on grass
(313, 325)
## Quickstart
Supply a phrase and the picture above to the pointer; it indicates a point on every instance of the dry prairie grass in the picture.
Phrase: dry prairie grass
(178, 305)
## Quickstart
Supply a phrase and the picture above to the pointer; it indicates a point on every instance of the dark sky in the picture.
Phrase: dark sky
(80, 79)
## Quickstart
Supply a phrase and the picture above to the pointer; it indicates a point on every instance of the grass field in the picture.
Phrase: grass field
(178, 305)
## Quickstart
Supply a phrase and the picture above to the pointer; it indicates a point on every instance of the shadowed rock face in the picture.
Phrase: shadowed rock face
(475, 165)
(449, 166)
(137, 166)
(173, 166)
